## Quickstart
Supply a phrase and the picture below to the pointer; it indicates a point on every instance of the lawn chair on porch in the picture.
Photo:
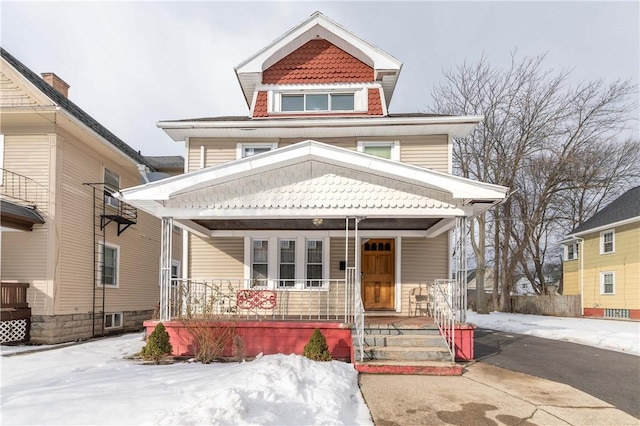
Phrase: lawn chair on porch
(418, 301)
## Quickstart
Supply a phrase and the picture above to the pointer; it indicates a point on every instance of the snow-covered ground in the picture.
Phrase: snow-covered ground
(93, 384)
(616, 335)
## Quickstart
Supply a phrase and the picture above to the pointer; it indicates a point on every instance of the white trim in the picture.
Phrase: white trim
(113, 317)
(241, 146)
(203, 153)
(394, 145)
(111, 246)
(1, 158)
(359, 99)
(398, 273)
(602, 242)
(177, 264)
(575, 244)
(602, 275)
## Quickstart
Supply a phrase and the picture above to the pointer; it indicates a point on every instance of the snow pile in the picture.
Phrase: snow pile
(621, 336)
(93, 383)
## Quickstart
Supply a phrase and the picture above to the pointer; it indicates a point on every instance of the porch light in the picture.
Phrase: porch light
(317, 221)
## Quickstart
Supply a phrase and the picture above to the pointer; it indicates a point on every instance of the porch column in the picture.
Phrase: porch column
(166, 248)
(460, 269)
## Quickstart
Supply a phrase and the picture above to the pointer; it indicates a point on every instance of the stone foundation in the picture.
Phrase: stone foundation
(52, 329)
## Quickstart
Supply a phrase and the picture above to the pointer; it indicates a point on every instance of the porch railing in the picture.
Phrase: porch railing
(445, 306)
(21, 189)
(260, 300)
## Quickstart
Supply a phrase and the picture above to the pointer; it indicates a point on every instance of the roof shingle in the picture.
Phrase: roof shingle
(626, 206)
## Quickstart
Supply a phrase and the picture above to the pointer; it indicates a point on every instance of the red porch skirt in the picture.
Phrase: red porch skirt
(266, 337)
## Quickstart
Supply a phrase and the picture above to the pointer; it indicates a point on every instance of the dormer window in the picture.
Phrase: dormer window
(298, 102)
(318, 100)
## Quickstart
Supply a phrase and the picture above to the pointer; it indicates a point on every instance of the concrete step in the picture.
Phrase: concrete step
(409, 353)
(404, 340)
(427, 368)
(391, 330)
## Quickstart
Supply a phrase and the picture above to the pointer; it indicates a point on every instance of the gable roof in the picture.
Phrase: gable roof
(386, 68)
(623, 209)
(73, 109)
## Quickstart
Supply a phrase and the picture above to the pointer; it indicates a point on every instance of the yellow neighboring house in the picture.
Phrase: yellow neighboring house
(91, 262)
(602, 260)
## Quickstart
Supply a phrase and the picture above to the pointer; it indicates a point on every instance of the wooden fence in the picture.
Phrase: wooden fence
(15, 314)
(553, 305)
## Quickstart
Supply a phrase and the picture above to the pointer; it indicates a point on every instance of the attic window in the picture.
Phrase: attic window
(311, 102)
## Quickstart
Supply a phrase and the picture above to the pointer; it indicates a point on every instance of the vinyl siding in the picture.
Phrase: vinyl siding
(139, 245)
(624, 262)
(423, 261)
(11, 94)
(216, 257)
(25, 254)
(427, 151)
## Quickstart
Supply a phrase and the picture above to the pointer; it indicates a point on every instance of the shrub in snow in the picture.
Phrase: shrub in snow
(317, 348)
(158, 345)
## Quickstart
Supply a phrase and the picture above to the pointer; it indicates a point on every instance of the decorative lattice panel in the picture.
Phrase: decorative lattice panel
(13, 330)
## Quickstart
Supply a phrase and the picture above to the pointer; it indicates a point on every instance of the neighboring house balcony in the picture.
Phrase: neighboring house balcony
(20, 198)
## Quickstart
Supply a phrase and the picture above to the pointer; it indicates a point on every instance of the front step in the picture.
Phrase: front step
(426, 368)
(407, 353)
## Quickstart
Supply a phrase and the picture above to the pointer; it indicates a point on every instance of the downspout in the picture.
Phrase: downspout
(143, 170)
(581, 242)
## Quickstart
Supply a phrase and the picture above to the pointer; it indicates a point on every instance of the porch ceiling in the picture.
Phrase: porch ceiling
(418, 224)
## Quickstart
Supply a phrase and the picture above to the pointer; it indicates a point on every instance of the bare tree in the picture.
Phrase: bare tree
(554, 145)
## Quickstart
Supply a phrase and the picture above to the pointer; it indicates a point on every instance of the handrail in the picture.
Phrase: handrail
(443, 301)
(21, 189)
(358, 314)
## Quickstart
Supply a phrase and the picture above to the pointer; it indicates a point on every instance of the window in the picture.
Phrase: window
(571, 251)
(113, 320)
(298, 102)
(287, 263)
(259, 263)
(389, 150)
(607, 242)
(110, 259)
(175, 269)
(111, 185)
(607, 282)
(248, 149)
(314, 263)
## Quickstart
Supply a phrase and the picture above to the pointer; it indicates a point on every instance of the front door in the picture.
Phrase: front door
(378, 286)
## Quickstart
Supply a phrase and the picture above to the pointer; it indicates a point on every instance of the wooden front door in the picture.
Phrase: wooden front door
(378, 286)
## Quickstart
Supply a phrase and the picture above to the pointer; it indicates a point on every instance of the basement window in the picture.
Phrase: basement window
(113, 320)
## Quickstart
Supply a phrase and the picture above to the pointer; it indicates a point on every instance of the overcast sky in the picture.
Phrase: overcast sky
(131, 65)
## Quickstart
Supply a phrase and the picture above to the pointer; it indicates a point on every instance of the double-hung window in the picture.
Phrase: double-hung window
(607, 242)
(259, 263)
(111, 185)
(314, 263)
(607, 282)
(110, 259)
(287, 263)
(571, 251)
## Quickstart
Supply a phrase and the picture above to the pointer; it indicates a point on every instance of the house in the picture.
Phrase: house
(319, 203)
(90, 264)
(602, 260)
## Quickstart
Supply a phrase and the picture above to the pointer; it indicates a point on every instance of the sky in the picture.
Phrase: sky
(281, 389)
(132, 64)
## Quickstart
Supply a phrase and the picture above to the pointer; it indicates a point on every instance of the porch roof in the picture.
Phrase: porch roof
(312, 180)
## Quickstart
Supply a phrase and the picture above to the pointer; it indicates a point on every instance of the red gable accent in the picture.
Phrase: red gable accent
(260, 110)
(375, 102)
(318, 61)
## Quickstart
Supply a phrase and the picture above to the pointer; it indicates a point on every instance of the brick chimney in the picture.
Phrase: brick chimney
(57, 83)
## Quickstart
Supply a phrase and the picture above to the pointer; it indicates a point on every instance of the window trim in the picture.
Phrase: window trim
(300, 262)
(395, 147)
(360, 99)
(269, 269)
(117, 267)
(241, 146)
(613, 241)
(295, 254)
(576, 251)
(602, 283)
(113, 317)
